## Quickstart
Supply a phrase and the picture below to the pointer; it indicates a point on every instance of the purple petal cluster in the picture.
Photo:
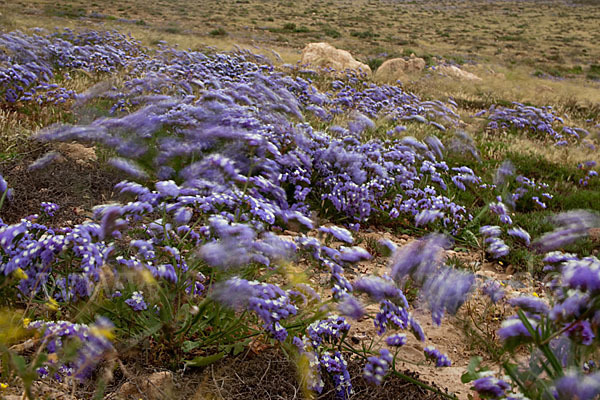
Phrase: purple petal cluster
(271, 303)
(94, 343)
(440, 359)
(490, 387)
(377, 367)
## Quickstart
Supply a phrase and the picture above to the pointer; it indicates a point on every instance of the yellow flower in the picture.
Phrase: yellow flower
(147, 277)
(52, 304)
(3, 386)
(26, 322)
(535, 294)
(105, 332)
(19, 273)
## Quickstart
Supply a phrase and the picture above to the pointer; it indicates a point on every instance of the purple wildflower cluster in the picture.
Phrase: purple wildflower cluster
(224, 155)
(538, 121)
(590, 172)
(95, 345)
(207, 100)
(569, 227)
(490, 387)
(444, 289)
(377, 367)
(28, 64)
(271, 303)
(570, 323)
(315, 346)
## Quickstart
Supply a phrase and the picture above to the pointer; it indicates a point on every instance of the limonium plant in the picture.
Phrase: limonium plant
(213, 233)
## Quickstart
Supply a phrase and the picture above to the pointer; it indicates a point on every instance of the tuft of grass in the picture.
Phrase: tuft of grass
(218, 32)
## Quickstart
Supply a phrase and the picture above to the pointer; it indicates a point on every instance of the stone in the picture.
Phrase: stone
(455, 72)
(158, 385)
(396, 69)
(77, 152)
(325, 56)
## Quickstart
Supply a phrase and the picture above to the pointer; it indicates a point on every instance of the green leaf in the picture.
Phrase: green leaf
(473, 370)
(188, 346)
(19, 363)
(204, 361)
(238, 348)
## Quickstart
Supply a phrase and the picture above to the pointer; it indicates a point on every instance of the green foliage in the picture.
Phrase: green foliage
(328, 31)
(368, 34)
(374, 63)
(218, 32)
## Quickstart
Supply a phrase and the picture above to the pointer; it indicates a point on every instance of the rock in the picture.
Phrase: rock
(324, 55)
(594, 235)
(455, 72)
(157, 386)
(77, 152)
(396, 69)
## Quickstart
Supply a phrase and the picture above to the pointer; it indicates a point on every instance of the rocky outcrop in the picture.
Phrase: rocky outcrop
(455, 72)
(398, 68)
(325, 56)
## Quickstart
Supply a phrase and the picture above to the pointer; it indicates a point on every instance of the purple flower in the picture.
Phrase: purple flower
(513, 329)
(377, 367)
(3, 185)
(490, 387)
(505, 170)
(351, 307)
(136, 301)
(390, 314)
(500, 209)
(445, 291)
(129, 167)
(490, 231)
(530, 304)
(571, 226)
(493, 290)
(110, 220)
(271, 303)
(497, 248)
(353, 254)
(582, 274)
(378, 288)
(338, 368)
(339, 233)
(441, 360)
(167, 188)
(396, 340)
(43, 161)
(182, 216)
(416, 329)
(329, 330)
(574, 385)
(427, 216)
(49, 208)
(388, 245)
(419, 258)
(436, 146)
(521, 234)
(582, 333)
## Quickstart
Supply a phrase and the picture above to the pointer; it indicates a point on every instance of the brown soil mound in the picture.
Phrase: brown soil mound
(72, 185)
(269, 375)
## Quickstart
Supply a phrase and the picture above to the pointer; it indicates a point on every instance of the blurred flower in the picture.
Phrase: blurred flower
(490, 387)
(441, 360)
